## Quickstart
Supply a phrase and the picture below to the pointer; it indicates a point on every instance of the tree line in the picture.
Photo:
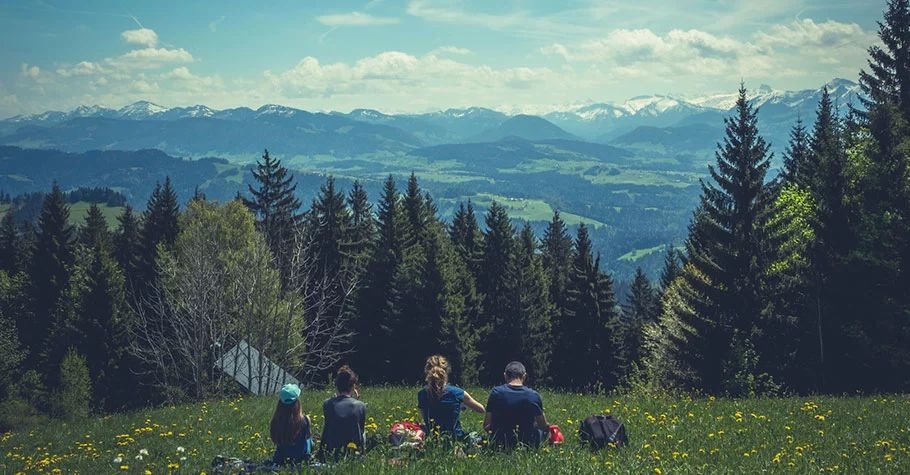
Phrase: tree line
(796, 283)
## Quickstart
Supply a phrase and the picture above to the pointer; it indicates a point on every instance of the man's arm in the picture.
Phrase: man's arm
(488, 421)
(541, 422)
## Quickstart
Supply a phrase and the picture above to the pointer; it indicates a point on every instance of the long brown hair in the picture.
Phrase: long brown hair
(436, 371)
(287, 423)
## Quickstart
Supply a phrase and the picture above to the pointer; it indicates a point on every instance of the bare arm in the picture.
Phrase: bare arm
(541, 422)
(488, 422)
(473, 404)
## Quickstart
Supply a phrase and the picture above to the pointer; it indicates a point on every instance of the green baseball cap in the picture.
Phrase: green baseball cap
(289, 393)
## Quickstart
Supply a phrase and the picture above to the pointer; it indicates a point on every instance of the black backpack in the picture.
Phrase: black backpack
(602, 429)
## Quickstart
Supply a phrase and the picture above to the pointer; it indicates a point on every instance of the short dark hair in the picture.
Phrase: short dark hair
(345, 379)
(515, 370)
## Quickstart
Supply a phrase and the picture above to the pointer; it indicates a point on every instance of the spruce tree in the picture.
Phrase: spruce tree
(881, 260)
(363, 226)
(9, 243)
(49, 274)
(496, 282)
(127, 249)
(378, 299)
(94, 232)
(718, 309)
(556, 259)
(159, 226)
(642, 309)
(797, 155)
(466, 236)
(329, 231)
(671, 268)
(533, 306)
(590, 339)
(276, 209)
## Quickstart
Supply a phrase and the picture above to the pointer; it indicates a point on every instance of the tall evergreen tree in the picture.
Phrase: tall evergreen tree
(496, 282)
(557, 263)
(276, 209)
(465, 234)
(533, 306)
(94, 232)
(797, 155)
(159, 226)
(49, 273)
(671, 268)
(9, 243)
(363, 226)
(718, 309)
(590, 339)
(882, 257)
(378, 298)
(642, 309)
(329, 229)
(127, 249)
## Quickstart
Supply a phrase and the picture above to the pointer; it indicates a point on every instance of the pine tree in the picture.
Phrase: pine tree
(49, 273)
(533, 307)
(496, 282)
(276, 209)
(9, 244)
(126, 245)
(797, 155)
(159, 227)
(718, 309)
(466, 236)
(642, 309)
(590, 339)
(557, 263)
(378, 300)
(94, 232)
(329, 227)
(671, 268)
(363, 226)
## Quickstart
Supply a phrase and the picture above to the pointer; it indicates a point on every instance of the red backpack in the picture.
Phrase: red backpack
(406, 434)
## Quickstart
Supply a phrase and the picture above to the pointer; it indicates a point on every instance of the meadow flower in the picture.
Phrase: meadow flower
(118, 459)
(139, 457)
(143, 452)
(180, 449)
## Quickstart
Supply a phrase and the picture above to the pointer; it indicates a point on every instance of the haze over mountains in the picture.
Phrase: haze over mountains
(648, 121)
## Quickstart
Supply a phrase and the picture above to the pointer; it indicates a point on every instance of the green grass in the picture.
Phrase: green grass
(79, 209)
(707, 435)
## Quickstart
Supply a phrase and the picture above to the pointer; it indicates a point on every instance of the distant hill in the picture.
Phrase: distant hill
(522, 126)
(684, 138)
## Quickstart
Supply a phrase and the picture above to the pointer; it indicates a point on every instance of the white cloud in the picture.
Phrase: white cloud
(213, 25)
(31, 72)
(83, 68)
(808, 33)
(450, 50)
(188, 81)
(151, 58)
(355, 19)
(144, 86)
(141, 36)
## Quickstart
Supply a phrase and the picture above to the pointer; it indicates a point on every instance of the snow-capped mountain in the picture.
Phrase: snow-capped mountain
(141, 110)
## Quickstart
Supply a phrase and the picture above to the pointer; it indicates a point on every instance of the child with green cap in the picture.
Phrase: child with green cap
(290, 429)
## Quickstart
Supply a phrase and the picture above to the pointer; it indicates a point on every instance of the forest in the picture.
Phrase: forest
(791, 284)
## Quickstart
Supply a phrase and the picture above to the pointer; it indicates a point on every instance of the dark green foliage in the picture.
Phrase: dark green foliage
(797, 155)
(49, 274)
(671, 269)
(466, 236)
(720, 308)
(126, 245)
(497, 283)
(9, 244)
(533, 308)
(276, 209)
(557, 263)
(363, 227)
(328, 226)
(642, 308)
(590, 338)
(159, 227)
(94, 232)
(71, 397)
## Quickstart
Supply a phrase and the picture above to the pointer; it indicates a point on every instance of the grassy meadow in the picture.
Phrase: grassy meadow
(668, 435)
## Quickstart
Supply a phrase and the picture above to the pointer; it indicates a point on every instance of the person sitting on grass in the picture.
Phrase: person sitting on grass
(515, 411)
(440, 403)
(290, 429)
(345, 417)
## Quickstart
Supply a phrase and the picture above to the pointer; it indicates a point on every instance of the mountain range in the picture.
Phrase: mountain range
(657, 122)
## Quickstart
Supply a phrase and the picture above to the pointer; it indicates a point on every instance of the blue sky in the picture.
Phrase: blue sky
(418, 55)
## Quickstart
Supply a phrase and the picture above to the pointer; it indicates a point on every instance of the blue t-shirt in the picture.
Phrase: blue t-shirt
(444, 413)
(513, 410)
(298, 451)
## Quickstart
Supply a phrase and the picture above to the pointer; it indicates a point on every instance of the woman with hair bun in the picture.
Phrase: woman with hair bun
(440, 403)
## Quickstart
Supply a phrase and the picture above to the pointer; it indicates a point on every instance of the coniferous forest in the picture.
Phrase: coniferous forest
(794, 282)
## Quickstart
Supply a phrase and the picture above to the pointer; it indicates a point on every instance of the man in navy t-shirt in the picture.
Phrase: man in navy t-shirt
(515, 411)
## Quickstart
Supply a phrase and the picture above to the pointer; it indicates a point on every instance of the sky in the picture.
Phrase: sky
(418, 55)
